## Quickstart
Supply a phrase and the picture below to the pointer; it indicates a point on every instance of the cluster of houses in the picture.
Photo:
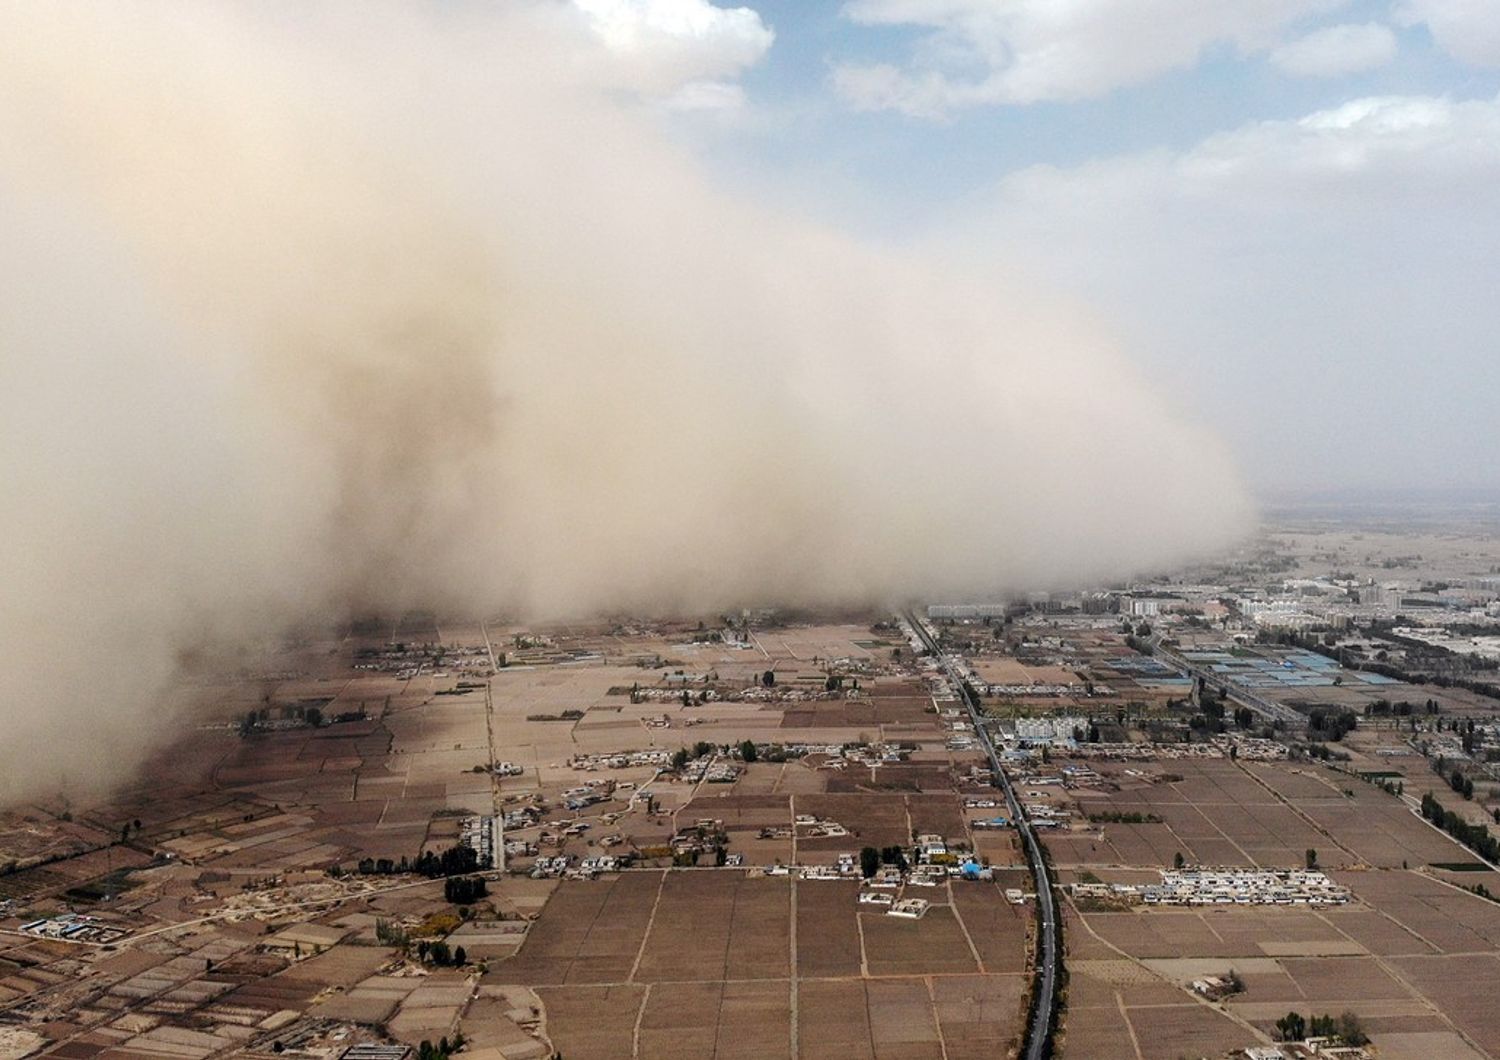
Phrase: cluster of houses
(781, 694)
(811, 827)
(935, 866)
(521, 817)
(887, 877)
(73, 927)
(1057, 732)
(1033, 689)
(1225, 887)
(1215, 987)
(997, 822)
(1250, 748)
(408, 660)
(481, 834)
(1308, 1049)
(873, 755)
(1079, 776)
(655, 757)
(909, 908)
(961, 734)
(664, 695)
(594, 864)
(562, 866)
(847, 867)
(568, 830)
(702, 836)
(711, 769)
(595, 791)
(1253, 748)
(1046, 815)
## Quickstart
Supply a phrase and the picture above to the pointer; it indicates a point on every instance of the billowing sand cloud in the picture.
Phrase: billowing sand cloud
(309, 311)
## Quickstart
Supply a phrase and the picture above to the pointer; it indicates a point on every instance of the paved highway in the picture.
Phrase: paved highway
(1038, 1043)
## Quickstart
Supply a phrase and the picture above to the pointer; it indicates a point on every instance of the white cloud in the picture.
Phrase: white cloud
(1334, 51)
(1468, 29)
(706, 97)
(1378, 143)
(1023, 51)
(1278, 270)
(659, 46)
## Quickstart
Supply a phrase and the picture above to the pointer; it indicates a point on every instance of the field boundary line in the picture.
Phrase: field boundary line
(792, 978)
(640, 952)
(1314, 825)
(640, 1017)
(1225, 1011)
(864, 959)
(1135, 1042)
(957, 916)
(1395, 973)
(937, 1021)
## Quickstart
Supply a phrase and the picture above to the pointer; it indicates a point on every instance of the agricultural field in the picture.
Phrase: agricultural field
(702, 954)
(1392, 955)
(260, 879)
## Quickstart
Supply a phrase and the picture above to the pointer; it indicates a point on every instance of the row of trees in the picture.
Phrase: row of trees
(1331, 724)
(427, 950)
(750, 751)
(1293, 1028)
(464, 890)
(1319, 751)
(1461, 784)
(1214, 713)
(442, 1050)
(1089, 735)
(455, 861)
(1401, 708)
(390, 934)
(1474, 836)
(1482, 891)
(683, 755)
(440, 954)
(871, 859)
(254, 719)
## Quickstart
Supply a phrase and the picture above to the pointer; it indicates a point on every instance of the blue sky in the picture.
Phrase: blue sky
(1288, 210)
(912, 165)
